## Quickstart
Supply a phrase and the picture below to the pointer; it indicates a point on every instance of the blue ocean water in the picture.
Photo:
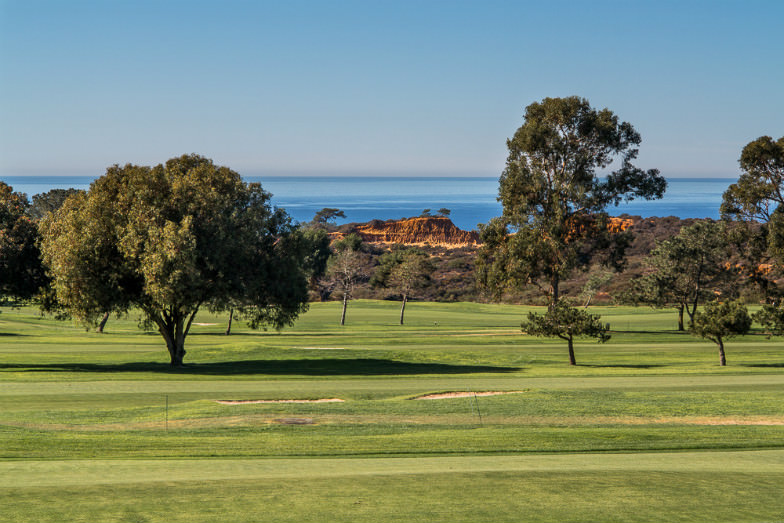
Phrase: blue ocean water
(471, 200)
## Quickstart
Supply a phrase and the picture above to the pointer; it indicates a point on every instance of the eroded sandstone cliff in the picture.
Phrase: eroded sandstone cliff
(431, 230)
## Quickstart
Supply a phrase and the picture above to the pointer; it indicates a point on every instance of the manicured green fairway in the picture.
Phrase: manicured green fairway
(646, 428)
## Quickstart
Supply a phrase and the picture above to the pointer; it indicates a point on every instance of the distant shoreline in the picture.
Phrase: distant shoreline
(471, 200)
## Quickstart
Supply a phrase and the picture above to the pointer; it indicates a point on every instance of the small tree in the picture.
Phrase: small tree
(410, 275)
(425, 213)
(345, 268)
(686, 270)
(567, 323)
(327, 216)
(596, 282)
(771, 317)
(443, 211)
(721, 321)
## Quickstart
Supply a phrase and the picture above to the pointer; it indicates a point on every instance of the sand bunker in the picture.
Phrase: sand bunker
(204, 324)
(243, 402)
(466, 394)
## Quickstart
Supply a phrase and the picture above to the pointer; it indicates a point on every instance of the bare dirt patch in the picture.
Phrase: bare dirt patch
(466, 394)
(295, 421)
(244, 402)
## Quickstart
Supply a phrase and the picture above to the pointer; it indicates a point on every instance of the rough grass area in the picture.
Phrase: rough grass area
(647, 427)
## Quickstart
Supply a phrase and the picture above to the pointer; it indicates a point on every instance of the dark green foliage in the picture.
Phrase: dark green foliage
(720, 321)
(771, 317)
(566, 322)
(171, 239)
(553, 199)
(327, 216)
(316, 251)
(21, 271)
(443, 211)
(685, 270)
(50, 201)
(351, 242)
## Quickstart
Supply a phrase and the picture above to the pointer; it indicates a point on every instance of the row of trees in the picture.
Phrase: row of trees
(177, 238)
(168, 240)
(187, 235)
(567, 164)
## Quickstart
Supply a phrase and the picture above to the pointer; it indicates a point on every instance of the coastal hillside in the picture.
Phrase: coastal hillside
(453, 251)
(436, 231)
(420, 231)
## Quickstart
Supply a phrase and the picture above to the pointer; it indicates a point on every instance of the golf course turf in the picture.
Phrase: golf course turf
(647, 427)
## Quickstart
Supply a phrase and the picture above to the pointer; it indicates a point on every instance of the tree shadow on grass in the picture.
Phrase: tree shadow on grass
(625, 366)
(296, 367)
(763, 365)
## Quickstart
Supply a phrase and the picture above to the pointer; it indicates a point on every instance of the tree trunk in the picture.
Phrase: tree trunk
(572, 361)
(554, 282)
(680, 318)
(173, 327)
(103, 322)
(231, 316)
(345, 304)
(722, 358)
(403, 308)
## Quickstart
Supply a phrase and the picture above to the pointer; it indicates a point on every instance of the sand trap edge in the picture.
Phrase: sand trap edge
(465, 394)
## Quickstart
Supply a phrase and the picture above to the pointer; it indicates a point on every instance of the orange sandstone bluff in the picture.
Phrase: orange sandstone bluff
(432, 230)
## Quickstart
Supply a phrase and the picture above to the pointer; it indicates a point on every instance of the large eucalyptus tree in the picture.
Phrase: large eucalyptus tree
(555, 190)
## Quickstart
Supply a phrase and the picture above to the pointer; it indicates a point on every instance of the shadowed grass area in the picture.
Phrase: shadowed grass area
(307, 367)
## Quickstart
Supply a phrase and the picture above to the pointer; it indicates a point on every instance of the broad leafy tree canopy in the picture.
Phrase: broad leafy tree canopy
(171, 239)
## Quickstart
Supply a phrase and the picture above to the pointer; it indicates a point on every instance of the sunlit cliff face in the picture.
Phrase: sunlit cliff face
(432, 230)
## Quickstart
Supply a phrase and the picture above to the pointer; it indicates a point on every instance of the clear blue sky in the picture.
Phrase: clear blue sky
(376, 87)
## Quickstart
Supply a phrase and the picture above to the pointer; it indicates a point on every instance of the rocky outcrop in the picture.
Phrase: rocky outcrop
(432, 230)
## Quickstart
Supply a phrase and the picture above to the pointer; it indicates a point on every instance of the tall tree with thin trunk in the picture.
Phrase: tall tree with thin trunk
(346, 268)
(409, 276)
(758, 196)
(555, 195)
(171, 240)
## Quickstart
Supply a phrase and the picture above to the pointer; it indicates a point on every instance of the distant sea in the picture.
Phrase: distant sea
(470, 200)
